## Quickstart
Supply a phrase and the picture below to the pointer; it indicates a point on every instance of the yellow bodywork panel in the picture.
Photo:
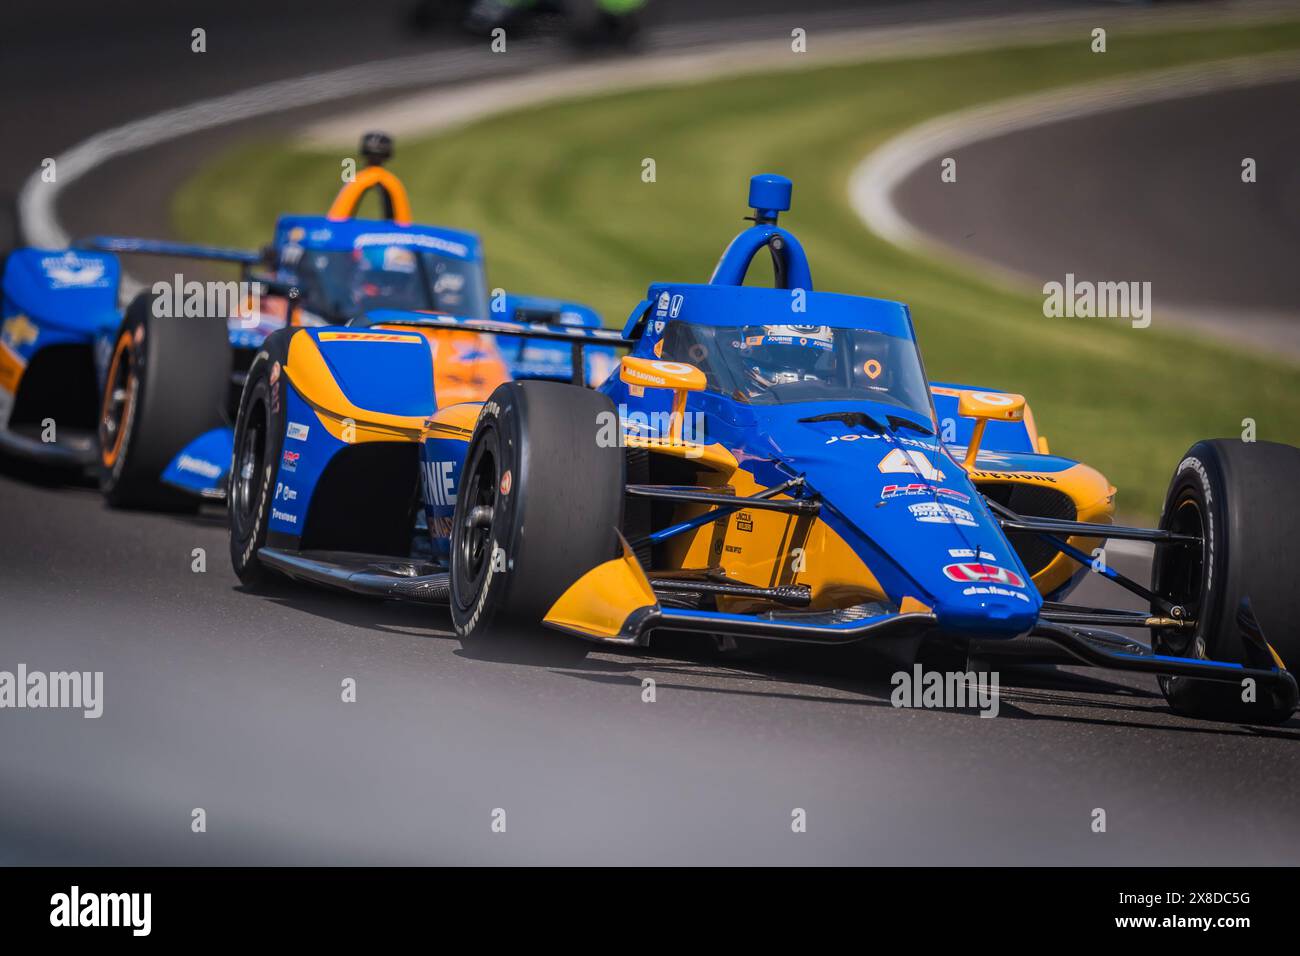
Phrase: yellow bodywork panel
(347, 422)
(1094, 502)
(769, 548)
(599, 602)
(464, 370)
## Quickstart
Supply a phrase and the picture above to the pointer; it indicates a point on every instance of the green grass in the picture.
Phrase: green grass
(556, 193)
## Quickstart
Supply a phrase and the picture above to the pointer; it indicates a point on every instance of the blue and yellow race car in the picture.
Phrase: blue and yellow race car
(146, 396)
(768, 464)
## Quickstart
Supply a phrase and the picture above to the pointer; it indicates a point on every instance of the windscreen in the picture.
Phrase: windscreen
(783, 364)
(344, 284)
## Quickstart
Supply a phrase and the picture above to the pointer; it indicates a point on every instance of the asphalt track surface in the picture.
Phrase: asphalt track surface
(231, 702)
(1150, 193)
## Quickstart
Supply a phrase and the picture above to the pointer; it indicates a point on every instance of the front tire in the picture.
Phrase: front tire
(1237, 496)
(259, 442)
(167, 384)
(539, 504)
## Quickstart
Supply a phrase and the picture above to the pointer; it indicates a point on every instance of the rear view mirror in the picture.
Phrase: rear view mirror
(985, 407)
(682, 378)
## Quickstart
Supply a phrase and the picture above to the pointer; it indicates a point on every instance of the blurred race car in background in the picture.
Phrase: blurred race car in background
(768, 464)
(147, 395)
(588, 23)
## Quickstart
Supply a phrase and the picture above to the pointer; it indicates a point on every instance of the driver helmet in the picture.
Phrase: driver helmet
(781, 354)
(383, 272)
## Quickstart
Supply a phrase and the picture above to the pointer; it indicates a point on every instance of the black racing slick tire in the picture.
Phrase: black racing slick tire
(259, 442)
(539, 504)
(1239, 498)
(168, 381)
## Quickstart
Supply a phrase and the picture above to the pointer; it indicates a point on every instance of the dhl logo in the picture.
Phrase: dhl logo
(369, 337)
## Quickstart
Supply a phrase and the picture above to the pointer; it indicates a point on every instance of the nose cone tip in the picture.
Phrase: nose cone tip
(990, 615)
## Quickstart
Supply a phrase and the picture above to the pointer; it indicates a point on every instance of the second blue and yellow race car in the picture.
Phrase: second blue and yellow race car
(146, 396)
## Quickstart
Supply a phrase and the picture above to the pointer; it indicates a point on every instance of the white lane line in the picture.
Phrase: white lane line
(38, 200)
(829, 42)
(875, 180)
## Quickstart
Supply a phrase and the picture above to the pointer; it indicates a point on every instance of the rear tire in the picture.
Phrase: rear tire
(1235, 495)
(167, 384)
(539, 504)
(259, 442)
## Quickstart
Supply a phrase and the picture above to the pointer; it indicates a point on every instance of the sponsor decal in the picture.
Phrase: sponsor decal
(993, 398)
(370, 337)
(71, 271)
(1012, 476)
(19, 331)
(507, 482)
(438, 484)
(938, 513)
(198, 466)
(993, 589)
(873, 369)
(458, 249)
(278, 515)
(667, 307)
(290, 461)
(970, 571)
(914, 462)
(397, 259)
(744, 521)
(897, 439)
(917, 488)
(297, 431)
(284, 493)
(971, 553)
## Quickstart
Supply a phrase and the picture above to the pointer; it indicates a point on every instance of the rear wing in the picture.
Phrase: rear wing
(164, 247)
(577, 337)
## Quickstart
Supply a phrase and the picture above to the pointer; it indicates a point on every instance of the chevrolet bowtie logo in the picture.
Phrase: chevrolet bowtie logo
(19, 331)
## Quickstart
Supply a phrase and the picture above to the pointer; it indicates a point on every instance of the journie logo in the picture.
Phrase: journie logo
(968, 572)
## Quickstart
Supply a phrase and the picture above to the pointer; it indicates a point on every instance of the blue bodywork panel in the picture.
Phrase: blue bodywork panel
(201, 467)
(393, 376)
(73, 292)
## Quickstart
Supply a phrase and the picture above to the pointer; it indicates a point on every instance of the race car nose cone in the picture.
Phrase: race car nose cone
(988, 614)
